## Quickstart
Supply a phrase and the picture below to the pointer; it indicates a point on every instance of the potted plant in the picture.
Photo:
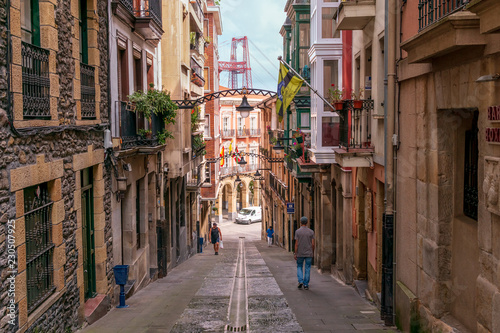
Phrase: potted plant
(157, 102)
(357, 102)
(145, 133)
(297, 149)
(336, 96)
(298, 136)
(215, 210)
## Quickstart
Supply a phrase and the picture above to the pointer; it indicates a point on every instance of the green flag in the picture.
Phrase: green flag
(288, 86)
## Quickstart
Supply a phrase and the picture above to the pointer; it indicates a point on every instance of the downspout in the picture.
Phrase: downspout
(387, 302)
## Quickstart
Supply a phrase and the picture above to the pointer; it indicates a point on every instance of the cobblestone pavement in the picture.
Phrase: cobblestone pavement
(201, 294)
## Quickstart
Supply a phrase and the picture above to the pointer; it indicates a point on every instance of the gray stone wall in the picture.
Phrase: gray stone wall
(59, 143)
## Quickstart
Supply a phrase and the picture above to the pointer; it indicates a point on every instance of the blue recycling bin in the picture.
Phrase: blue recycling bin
(201, 244)
(121, 278)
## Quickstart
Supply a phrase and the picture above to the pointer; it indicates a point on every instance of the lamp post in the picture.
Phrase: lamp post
(244, 108)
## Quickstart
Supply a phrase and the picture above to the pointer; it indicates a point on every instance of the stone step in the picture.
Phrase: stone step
(96, 308)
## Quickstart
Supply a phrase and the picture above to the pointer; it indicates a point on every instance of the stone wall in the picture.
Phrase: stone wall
(62, 142)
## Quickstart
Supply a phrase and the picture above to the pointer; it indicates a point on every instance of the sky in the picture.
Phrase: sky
(260, 21)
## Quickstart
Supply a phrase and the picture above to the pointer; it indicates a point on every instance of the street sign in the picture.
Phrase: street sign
(290, 208)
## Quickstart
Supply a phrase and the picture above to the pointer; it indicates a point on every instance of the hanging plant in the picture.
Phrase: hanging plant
(195, 118)
(157, 102)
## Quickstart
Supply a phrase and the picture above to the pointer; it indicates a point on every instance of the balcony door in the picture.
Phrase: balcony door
(88, 234)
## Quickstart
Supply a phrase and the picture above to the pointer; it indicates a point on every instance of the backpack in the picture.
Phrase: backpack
(214, 233)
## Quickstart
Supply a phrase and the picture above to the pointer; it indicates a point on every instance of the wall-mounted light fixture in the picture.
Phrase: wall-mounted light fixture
(488, 78)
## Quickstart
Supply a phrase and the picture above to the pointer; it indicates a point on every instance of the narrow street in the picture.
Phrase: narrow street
(248, 287)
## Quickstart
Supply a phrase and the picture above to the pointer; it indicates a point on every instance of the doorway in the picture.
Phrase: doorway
(88, 233)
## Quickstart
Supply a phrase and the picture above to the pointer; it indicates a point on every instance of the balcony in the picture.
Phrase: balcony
(133, 131)
(197, 80)
(198, 149)
(36, 82)
(196, 11)
(227, 133)
(242, 132)
(194, 179)
(87, 88)
(444, 28)
(355, 149)
(278, 187)
(355, 14)
(144, 17)
(488, 12)
(254, 132)
(148, 19)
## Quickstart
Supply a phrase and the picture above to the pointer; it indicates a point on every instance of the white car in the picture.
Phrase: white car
(249, 215)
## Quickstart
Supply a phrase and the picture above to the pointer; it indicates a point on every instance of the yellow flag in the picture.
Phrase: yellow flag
(222, 156)
(230, 147)
(288, 86)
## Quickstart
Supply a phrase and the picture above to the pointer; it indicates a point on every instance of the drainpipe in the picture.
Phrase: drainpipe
(387, 301)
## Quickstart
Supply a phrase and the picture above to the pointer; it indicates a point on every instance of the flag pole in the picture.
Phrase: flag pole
(280, 58)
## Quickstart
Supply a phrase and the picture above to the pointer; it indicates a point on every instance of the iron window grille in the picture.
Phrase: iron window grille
(39, 246)
(87, 77)
(471, 171)
(36, 82)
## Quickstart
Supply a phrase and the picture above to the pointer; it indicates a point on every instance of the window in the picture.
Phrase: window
(206, 75)
(252, 157)
(327, 26)
(253, 123)
(330, 76)
(225, 124)
(123, 88)
(39, 246)
(304, 119)
(30, 22)
(207, 126)
(84, 46)
(207, 173)
(471, 171)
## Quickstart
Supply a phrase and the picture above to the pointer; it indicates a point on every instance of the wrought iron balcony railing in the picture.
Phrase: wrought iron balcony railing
(87, 88)
(197, 79)
(278, 186)
(36, 81)
(131, 125)
(431, 11)
(254, 131)
(150, 8)
(354, 129)
(243, 132)
(197, 9)
(129, 4)
(228, 133)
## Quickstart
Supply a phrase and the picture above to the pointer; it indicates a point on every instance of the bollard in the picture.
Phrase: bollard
(121, 277)
(201, 244)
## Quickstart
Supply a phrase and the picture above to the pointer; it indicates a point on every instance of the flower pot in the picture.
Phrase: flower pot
(357, 104)
(299, 139)
(339, 106)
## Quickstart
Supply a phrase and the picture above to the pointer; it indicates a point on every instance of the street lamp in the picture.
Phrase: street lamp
(258, 174)
(242, 161)
(278, 146)
(244, 108)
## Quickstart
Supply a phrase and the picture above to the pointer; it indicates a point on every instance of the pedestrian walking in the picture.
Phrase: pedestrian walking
(270, 233)
(215, 236)
(304, 252)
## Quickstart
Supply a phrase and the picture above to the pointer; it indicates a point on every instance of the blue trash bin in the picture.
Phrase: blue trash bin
(121, 278)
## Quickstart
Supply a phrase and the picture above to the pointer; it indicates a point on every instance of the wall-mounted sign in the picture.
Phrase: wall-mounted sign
(493, 135)
(494, 113)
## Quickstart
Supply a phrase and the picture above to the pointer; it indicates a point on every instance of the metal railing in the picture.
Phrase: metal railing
(197, 79)
(197, 9)
(228, 133)
(36, 81)
(354, 130)
(87, 89)
(39, 246)
(129, 129)
(243, 132)
(150, 8)
(254, 131)
(278, 186)
(431, 11)
(129, 4)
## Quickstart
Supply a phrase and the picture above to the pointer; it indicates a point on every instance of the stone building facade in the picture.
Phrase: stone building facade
(447, 221)
(54, 177)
